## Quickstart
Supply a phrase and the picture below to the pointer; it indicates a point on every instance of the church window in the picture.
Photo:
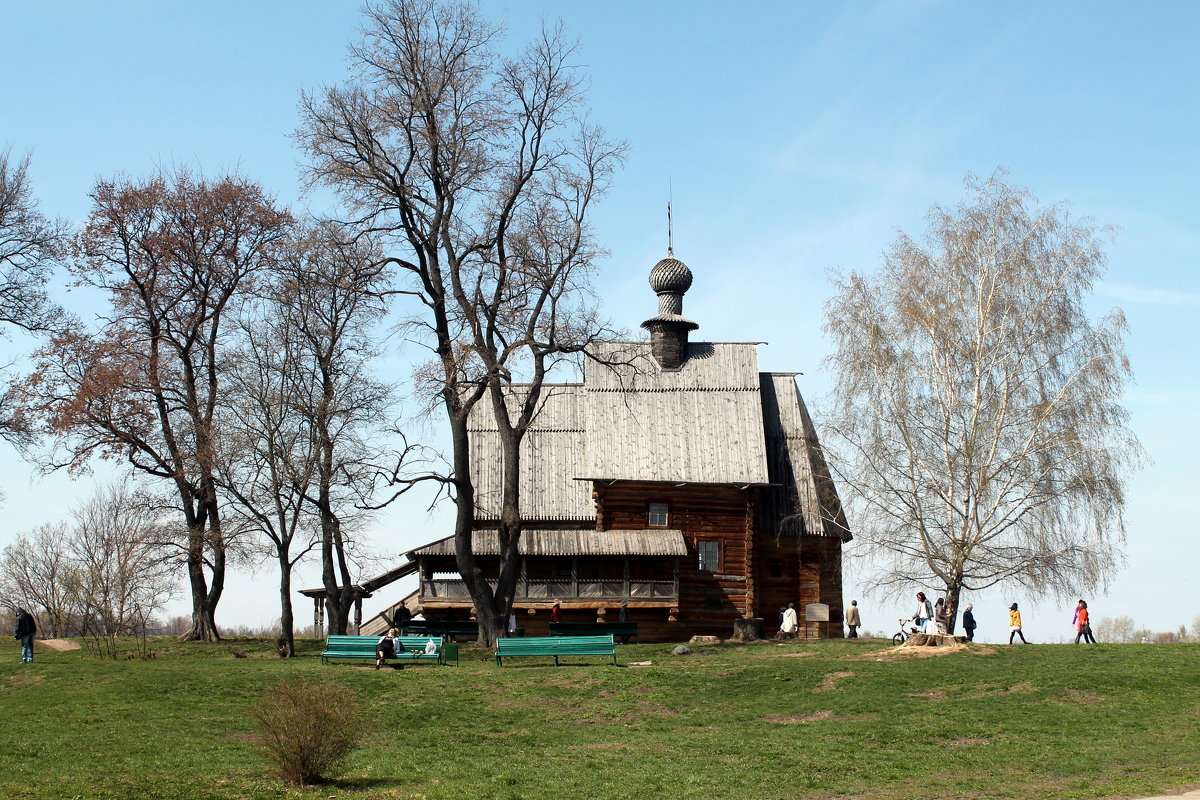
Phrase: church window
(710, 555)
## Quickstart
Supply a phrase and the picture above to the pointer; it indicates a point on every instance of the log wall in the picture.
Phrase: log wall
(801, 571)
(708, 601)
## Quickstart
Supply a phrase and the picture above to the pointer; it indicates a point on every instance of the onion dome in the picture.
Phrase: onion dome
(670, 275)
(670, 279)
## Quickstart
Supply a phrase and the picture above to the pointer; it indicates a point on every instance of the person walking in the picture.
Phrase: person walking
(1014, 624)
(1083, 625)
(969, 622)
(26, 630)
(791, 622)
(853, 620)
(923, 613)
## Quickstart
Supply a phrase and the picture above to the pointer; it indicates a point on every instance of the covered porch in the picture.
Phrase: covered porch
(578, 568)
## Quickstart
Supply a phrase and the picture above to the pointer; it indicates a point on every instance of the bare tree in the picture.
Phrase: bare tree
(171, 253)
(36, 572)
(1115, 629)
(479, 171)
(977, 406)
(30, 245)
(121, 577)
(310, 411)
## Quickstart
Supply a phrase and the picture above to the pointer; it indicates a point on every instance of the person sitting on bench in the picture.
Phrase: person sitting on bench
(386, 648)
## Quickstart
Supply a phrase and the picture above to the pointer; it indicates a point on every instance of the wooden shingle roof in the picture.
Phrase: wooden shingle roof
(716, 420)
(541, 542)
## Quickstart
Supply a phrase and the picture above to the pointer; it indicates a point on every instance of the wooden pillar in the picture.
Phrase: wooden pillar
(751, 583)
(317, 616)
(358, 616)
(625, 588)
(575, 577)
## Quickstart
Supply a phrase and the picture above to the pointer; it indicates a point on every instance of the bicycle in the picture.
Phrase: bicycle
(902, 635)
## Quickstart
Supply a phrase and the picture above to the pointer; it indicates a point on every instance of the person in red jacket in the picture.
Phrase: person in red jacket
(1083, 626)
(555, 613)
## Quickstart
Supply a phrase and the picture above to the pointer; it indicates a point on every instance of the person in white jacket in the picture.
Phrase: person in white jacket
(791, 623)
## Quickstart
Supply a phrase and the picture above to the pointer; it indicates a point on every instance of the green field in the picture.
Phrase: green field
(844, 719)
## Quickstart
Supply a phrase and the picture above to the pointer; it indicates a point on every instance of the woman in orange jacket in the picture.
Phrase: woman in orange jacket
(1083, 627)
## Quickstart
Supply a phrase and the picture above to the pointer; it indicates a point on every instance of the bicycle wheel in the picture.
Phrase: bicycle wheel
(899, 639)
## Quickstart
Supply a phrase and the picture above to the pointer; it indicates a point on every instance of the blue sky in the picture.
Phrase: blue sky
(798, 137)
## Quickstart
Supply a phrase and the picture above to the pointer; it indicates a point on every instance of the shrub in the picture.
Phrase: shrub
(307, 727)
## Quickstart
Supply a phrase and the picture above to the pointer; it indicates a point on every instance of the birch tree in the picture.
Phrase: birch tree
(977, 406)
(479, 172)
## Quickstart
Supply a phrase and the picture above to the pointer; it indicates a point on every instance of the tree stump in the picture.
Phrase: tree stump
(934, 640)
(747, 630)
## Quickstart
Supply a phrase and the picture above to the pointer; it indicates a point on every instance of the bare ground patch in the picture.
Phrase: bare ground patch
(830, 683)
(931, 694)
(1073, 696)
(58, 645)
(792, 719)
(897, 653)
(801, 654)
(966, 741)
(25, 679)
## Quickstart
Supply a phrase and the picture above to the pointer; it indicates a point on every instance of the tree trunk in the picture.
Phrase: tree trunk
(747, 629)
(203, 627)
(286, 618)
(953, 592)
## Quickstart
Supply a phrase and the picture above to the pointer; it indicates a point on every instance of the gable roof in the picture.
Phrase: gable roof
(804, 499)
(701, 423)
(715, 420)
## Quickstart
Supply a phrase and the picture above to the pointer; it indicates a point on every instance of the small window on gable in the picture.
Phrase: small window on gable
(710, 556)
(658, 517)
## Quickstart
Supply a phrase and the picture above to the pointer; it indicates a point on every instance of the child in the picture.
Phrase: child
(1014, 624)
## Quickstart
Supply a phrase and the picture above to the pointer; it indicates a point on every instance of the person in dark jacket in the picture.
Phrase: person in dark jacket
(969, 623)
(26, 630)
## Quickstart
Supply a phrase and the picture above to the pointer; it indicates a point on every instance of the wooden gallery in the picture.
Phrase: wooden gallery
(684, 483)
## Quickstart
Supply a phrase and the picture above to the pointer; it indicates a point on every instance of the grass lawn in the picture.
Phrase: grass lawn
(838, 719)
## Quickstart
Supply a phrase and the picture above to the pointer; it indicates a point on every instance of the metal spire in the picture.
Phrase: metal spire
(670, 196)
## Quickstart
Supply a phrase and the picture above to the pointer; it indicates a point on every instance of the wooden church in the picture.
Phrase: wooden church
(684, 483)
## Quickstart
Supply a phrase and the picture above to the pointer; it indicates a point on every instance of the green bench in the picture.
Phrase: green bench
(412, 648)
(556, 646)
(593, 628)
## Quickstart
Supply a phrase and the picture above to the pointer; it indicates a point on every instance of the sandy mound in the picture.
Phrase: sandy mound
(57, 645)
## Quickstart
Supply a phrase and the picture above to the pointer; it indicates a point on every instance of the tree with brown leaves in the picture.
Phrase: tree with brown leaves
(171, 254)
(30, 246)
